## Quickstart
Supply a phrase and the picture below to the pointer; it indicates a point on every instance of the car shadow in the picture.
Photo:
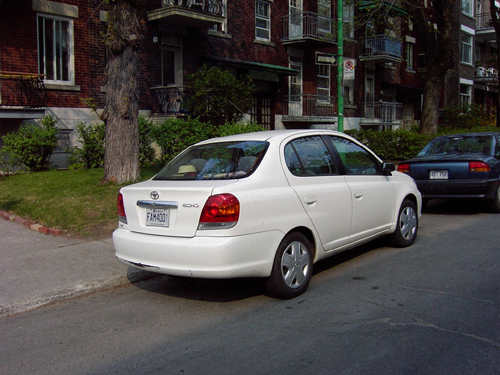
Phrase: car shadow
(455, 207)
(230, 290)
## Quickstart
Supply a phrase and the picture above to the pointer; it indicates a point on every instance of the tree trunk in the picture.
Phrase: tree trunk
(430, 110)
(121, 159)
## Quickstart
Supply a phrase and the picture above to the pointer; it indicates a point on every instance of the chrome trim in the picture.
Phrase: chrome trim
(158, 204)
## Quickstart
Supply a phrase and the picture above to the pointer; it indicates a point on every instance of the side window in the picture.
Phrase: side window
(309, 157)
(357, 160)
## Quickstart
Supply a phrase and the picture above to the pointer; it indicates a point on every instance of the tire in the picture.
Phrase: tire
(406, 226)
(495, 203)
(292, 267)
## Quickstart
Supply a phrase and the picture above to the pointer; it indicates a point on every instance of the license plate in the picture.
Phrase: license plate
(157, 217)
(438, 175)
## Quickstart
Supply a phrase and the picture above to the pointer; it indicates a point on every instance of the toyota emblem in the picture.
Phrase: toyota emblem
(154, 195)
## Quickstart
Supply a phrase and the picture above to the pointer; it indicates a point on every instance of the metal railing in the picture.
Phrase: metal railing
(486, 70)
(308, 25)
(309, 105)
(215, 7)
(384, 112)
(484, 21)
(168, 100)
(22, 90)
(381, 45)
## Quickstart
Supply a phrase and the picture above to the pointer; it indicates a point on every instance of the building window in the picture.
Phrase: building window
(262, 20)
(223, 26)
(349, 91)
(348, 18)
(323, 85)
(465, 95)
(325, 16)
(466, 48)
(410, 50)
(55, 49)
(467, 7)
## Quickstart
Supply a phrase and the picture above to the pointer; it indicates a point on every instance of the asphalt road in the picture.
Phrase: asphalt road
(433, 308)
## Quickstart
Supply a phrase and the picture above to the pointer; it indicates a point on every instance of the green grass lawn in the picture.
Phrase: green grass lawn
(71, 200)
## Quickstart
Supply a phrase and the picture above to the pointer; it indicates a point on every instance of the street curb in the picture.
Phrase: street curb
(31, 224)
(37, 301)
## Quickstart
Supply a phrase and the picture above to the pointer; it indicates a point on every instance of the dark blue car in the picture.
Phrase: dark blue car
(458, 166)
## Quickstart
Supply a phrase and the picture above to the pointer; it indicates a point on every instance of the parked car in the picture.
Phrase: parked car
(458, 166)
(266, 204)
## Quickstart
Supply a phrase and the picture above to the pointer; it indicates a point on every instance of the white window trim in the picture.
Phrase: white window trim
(328, 79)
(71, 50)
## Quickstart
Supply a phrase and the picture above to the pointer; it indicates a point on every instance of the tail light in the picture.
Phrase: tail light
(478, 166)
(220, 212)
(122, 217)
(404, 168)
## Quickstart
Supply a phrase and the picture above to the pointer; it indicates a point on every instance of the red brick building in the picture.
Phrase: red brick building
(53, 60)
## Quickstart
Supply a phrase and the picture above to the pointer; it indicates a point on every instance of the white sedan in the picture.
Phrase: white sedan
(267, 204)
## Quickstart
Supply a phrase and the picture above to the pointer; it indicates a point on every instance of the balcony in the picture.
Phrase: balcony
(25, 90)
(382, 113)
(382, 49)
(168, 100)
(308, 30)
(484, 28)
(189, 13)
(309, 108)
(486, 72)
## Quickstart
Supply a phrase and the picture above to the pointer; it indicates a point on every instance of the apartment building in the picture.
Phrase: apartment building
(53, 61)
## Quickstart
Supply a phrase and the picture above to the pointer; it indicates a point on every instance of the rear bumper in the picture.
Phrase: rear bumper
(201, 257)
(479, 189)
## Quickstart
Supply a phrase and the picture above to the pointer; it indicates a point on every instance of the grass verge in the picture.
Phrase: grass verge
(73, 201)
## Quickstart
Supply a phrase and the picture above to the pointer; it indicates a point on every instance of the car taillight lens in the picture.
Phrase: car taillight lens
(404, 168)
(122, 217)
(220, 212)
(478, 166)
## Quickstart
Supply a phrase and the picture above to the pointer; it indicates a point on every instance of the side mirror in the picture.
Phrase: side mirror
(387, 168)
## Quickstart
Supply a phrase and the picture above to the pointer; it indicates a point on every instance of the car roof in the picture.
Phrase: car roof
(469, 134)
(275, 135)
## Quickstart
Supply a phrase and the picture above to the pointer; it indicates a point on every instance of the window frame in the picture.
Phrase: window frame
(466, 48)
(410, 56)
(467, 8)
(57, 63)
(266, 18)
(326, 78)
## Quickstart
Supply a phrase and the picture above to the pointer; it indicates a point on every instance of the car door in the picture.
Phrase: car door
(372, 193)
(314, 176)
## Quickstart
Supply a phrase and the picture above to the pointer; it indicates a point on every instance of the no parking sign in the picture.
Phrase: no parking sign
(349, 67)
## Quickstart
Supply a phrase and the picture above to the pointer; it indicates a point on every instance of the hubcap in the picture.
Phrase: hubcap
(408, 223)
(295, 265)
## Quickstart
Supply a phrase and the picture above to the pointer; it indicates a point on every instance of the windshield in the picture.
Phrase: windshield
(473, 144)
(215, 161)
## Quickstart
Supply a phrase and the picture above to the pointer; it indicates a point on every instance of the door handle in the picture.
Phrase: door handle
(358, 195)
(310, 199)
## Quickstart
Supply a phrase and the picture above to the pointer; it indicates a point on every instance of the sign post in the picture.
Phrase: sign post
(340, 66)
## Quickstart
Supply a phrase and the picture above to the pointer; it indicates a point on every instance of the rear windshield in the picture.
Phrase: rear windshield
(215, 161)
(477, 144)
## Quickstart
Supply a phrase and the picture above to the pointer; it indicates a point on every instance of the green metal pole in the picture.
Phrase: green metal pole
(340, 66)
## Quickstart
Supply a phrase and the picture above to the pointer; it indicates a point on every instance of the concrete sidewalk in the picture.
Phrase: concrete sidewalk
(39, 269)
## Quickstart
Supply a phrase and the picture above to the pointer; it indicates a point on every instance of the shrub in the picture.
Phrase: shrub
(218, 97)
(91, 153)
(146, 151)
(394, 145)
(32, 145)
(93, 140)
(466, 117)
(238, 128)
(174, 135)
